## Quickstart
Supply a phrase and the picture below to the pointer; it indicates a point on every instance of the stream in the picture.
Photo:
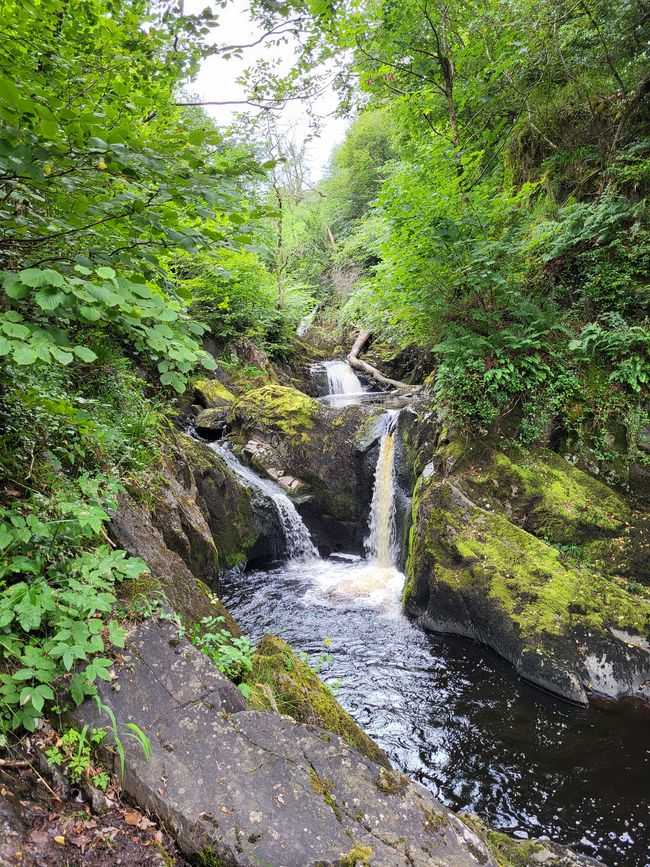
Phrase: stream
(448, 712)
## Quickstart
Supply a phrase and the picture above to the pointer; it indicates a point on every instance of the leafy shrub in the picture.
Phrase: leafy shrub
(56, 597)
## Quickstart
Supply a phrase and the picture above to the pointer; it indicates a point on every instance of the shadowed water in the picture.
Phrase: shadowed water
(457, 718)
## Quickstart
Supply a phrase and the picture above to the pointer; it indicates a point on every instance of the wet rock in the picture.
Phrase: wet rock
(289, 435)
(474, 573)
(242, 524)
(240, 787)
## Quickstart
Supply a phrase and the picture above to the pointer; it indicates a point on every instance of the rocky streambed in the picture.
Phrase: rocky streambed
(523, 553)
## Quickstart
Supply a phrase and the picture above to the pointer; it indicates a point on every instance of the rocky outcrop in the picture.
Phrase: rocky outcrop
(475, 570)
(239, 787)
(243, 529)
(316, 452)
(132, 528)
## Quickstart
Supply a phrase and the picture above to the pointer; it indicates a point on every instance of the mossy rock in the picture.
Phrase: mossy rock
(473, 572)
(546, 495)
(278, 408)
(211, 392)
(280, 680)
(224, 501)
(508, 852)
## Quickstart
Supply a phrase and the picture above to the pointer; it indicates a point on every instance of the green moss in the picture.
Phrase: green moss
(391, 783)
(505, 851)
(299, 692)
(434, 820)
(325, 788)
(209, 858)
(358, 856)
(550, 497)
(211, 392)
(463, 546)
(279, 408)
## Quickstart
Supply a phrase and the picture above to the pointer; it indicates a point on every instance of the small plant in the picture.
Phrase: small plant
(132, 730)
(74, 751)
(232, 655)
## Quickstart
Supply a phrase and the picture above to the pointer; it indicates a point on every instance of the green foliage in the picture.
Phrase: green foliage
(74, 753)
(233, 655)
(56, 596)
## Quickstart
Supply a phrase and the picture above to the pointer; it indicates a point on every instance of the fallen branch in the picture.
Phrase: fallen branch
(355, 362)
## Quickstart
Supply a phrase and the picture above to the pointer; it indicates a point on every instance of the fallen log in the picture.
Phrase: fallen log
(355, 362)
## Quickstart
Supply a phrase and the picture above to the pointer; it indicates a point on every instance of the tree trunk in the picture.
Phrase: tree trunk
(355, 362)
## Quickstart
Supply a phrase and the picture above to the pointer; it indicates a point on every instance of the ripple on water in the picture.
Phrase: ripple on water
(457, 718)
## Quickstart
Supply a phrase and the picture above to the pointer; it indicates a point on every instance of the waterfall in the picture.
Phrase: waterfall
(341, 379)
(296, 535)
(382, 539)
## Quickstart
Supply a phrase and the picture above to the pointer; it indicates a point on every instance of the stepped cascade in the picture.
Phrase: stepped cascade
(299, 545)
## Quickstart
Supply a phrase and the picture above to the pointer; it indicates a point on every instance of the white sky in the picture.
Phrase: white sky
(217, 81)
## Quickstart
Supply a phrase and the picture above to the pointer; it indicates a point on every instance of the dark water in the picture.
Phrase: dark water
(457, 718)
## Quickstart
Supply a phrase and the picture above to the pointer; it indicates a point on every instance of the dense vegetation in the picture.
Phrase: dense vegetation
(485, 216)
(488, 205)
(124, 220)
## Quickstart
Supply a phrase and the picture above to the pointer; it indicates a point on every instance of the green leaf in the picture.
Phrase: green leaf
(49, 299)
(92, 314)
(24, 354)
(61, 355)
(106, 273)
(34, 277)
(15, 329)
(84, 353)
(5, 346)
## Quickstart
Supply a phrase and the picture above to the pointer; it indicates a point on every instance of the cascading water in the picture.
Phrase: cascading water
(382, 539)
(299, 545)
(449, 713)
(343, 385)
(341, 379)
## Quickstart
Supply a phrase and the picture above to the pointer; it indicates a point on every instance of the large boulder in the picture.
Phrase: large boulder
(565, 627)
(133, 528)
(317, 452)
(240, 787)
(546, 495)
(212, 392)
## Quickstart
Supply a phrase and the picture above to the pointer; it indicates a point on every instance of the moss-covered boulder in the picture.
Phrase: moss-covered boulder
(277, 408)
(211, 392)
(287, 435)
(212, 423)
(281, 681)
(546, 495)
(475, 573)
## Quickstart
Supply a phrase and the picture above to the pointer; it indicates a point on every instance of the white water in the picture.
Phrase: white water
(296, 535)
(344, 386)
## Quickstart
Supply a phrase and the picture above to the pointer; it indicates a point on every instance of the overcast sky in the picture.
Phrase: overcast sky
(217, 81)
